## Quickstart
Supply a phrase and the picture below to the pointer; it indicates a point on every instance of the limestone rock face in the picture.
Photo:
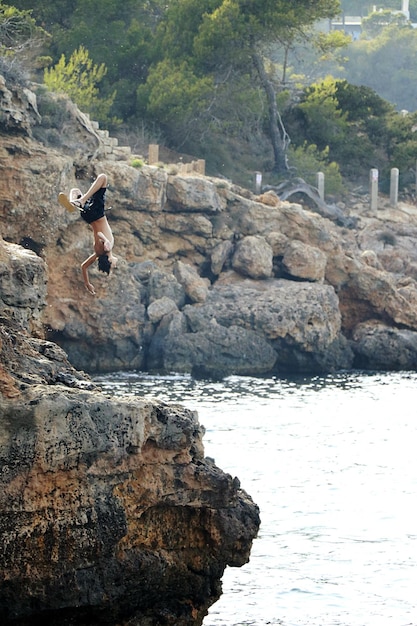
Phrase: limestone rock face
(246, 328)
(109, 512)
(177, 238)
(23, 282)
(375, 343)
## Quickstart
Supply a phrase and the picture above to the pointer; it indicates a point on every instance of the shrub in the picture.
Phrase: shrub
(138, 163)
(308, 160)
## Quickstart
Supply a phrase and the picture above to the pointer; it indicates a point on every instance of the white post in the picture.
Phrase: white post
(320, 184)
(415, 188)
(258, 182)
(373, 184)
(393, 193)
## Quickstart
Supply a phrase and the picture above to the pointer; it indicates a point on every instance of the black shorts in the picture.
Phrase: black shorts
(94, 207)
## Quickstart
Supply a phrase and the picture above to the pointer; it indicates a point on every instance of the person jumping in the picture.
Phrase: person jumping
(92, 206)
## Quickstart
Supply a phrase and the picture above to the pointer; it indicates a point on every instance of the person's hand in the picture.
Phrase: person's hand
(90, 288)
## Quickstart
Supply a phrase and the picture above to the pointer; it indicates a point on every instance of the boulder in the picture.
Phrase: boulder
(164, 284)
(259, 327)
(193, 193)
(195, 287)
(304, 262)
(161, 307)
(380, 347)
(253, 257)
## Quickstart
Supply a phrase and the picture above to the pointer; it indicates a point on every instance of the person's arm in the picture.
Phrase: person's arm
(107, 243)
(84, 267)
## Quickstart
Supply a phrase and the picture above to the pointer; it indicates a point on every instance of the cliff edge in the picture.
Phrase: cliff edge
(109, 511)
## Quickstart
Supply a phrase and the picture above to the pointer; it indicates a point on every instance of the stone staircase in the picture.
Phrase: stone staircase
(111, 150)
(110, 145)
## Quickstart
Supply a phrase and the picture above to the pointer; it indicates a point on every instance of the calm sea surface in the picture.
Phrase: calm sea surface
(332, 464)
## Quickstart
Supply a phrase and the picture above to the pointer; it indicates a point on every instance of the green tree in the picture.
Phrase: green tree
(220, 37)
(115, 32)
(356, 128)
(79, 78)
(394, 50)
(236, 31)
(378, 21)
(20, 41)
(175, 96)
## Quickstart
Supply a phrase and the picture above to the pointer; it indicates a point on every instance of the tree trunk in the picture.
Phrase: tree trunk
(278, 135)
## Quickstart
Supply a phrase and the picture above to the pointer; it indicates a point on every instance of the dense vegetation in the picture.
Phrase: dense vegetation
(246, 84)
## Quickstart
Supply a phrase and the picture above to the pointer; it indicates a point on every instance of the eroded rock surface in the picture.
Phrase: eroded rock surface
(180, 238)
(109, 511)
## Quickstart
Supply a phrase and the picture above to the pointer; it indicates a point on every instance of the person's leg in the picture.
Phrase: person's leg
(100, 181)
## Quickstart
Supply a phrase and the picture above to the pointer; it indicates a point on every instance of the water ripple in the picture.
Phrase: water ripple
(331, 461)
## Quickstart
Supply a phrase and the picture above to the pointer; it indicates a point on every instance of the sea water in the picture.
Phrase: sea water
(332, 463)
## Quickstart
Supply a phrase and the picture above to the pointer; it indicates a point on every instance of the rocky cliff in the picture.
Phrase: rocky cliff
(109, 511)
(211, 278)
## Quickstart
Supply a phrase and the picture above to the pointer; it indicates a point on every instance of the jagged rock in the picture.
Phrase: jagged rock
(117, 497)
(27, 360)
(19, 109)
(255, 328)
(109, 512)
(195, 287)
(303, 261)
(366, 292)
(253, 257)
(23, 284)
(161, 307)
(220, 255)
(380, 347)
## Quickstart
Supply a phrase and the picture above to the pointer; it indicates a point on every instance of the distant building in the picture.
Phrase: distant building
(352, 24)
(349, 24)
